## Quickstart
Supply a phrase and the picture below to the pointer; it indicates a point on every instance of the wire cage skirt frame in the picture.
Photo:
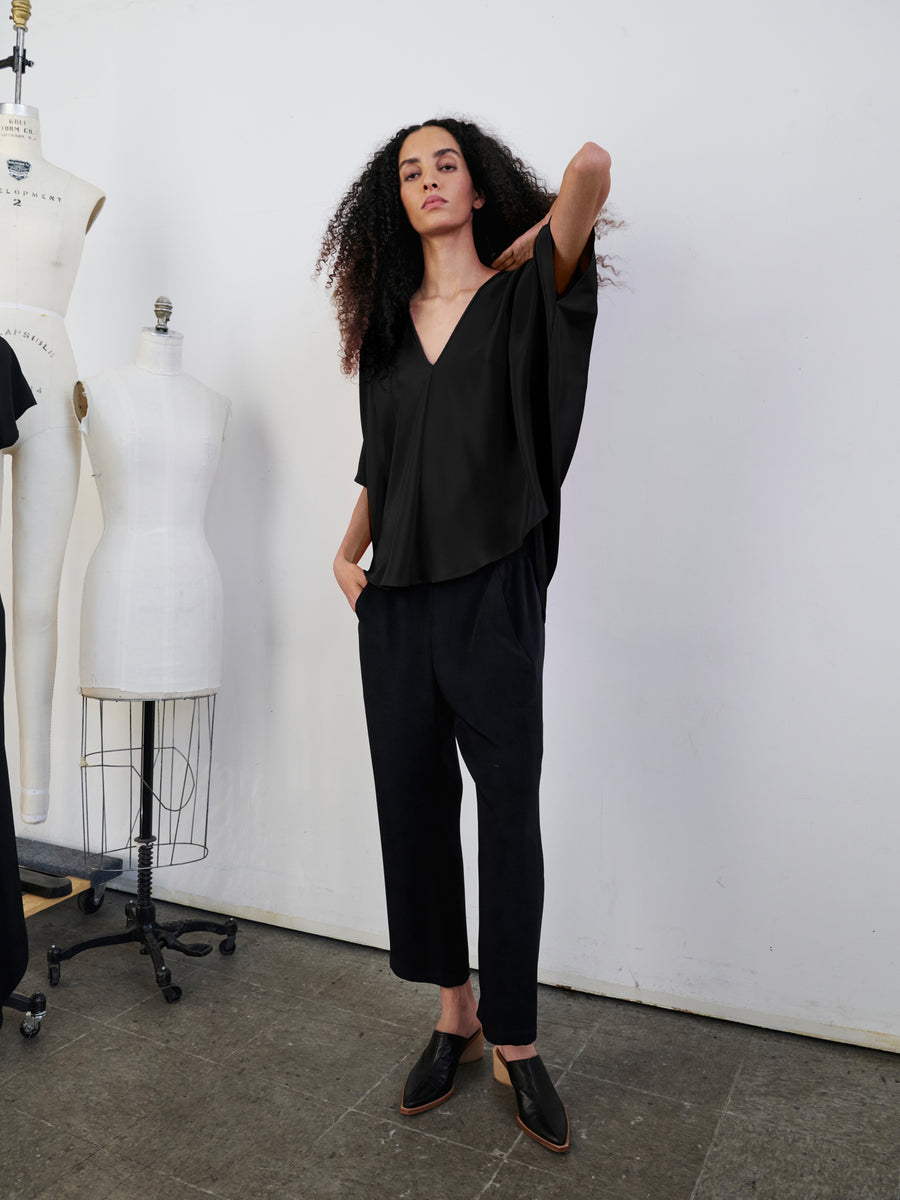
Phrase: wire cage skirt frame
(145, 793)
(113, 774)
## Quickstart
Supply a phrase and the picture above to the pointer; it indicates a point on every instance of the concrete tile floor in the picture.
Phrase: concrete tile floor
(277, 1077)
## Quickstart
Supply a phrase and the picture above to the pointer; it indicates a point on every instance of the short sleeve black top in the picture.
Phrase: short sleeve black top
(15, 394)
(463, 459)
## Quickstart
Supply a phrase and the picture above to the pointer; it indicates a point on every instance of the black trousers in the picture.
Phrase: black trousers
(450, 664)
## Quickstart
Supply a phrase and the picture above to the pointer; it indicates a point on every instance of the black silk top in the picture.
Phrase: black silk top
(463, 459)
(15, 394)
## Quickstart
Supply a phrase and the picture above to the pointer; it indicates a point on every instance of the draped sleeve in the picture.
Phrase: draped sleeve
(361, 468)
(15, 394)
(549, 353)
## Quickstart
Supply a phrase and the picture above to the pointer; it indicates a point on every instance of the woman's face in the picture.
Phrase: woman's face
(435, 185)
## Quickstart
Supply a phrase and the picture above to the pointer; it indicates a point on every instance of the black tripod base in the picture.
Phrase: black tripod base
(153, 937)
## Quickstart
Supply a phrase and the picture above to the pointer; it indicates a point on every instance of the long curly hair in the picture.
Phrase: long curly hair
(373, 256)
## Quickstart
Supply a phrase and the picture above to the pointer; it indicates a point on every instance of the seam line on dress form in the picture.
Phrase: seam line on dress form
(44, 312)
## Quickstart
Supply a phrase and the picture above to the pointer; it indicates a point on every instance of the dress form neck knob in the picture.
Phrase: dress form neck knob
(21, 11)
(163, 309)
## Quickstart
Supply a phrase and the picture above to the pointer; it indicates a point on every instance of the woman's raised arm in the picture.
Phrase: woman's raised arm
(582, 194)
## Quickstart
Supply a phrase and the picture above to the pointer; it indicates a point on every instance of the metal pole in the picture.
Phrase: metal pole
(21, 11)
(147, 736)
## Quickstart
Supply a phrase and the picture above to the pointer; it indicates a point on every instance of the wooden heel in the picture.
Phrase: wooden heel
(475, 1049)
(500, 1072)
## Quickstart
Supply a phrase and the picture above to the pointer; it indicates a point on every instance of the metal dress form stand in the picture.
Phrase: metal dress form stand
(172, 798)
(151, 756)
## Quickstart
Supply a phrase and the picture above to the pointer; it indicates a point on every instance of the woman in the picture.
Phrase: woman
(466, 298)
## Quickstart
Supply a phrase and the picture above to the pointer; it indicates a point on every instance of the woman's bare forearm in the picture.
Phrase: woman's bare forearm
(582, 194)
(358, 537)
(349, 575)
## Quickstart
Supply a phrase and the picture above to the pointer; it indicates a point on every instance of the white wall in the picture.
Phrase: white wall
(721, 816)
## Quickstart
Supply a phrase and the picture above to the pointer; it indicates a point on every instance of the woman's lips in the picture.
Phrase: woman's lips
(433, 202)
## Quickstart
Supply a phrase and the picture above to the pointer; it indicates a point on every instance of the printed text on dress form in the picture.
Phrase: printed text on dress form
(29, 337)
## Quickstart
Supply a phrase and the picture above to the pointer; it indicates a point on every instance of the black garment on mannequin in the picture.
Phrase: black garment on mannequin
(460, 662)
(13, 939)
(15, 394)
(15, 398)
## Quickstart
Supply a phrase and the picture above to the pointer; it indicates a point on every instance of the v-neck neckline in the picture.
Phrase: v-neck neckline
(459, 321)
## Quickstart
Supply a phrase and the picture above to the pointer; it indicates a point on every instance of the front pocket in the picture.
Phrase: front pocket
(359, 599)
(521, 606)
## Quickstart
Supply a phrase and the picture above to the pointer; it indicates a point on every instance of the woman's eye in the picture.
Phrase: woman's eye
(447, 166)
(411, 175)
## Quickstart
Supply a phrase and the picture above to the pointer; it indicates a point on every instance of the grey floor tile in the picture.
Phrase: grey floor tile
(230, 1133)
(566, 1020)
(366, 984)
(105, 1176)
(33, 1056)
(561, 1179)
(667, 1053)
(213, 1018)
(383, 1160)
(324, 1051)
(101, 1084)
(755, 1161)
(639, 1145)
(842, 1093)
(285, 960)
(34, 1154)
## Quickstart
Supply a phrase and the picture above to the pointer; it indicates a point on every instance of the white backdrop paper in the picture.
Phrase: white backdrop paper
(721, 768)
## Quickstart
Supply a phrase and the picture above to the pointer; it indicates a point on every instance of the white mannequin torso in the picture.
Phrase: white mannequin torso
(151, 623)
(44, 215)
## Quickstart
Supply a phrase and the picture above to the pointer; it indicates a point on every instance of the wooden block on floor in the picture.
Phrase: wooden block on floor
(35, 904)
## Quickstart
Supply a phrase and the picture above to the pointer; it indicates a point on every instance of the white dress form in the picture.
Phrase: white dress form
(44, 215)
(151, 617)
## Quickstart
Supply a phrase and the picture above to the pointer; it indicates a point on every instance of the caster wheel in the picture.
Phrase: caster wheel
(227, 946)
(89, 902)
(53, 974)
(30, 1028)
(172, 993)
